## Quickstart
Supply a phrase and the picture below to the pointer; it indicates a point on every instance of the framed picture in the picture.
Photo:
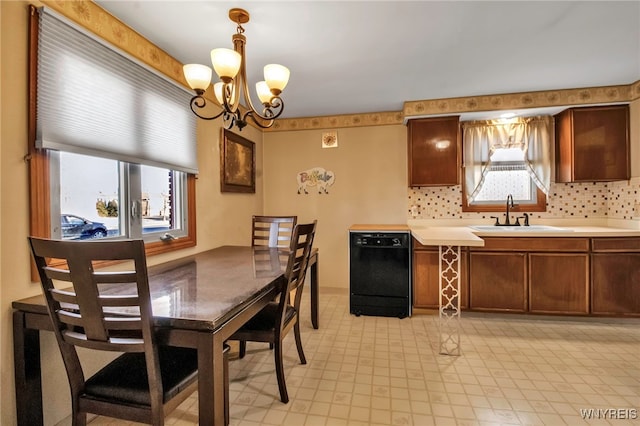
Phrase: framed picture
(237, 163)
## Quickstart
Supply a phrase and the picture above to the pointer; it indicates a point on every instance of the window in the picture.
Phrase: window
(112, 151)
(92, 195)
(507, 174)
(504, 158)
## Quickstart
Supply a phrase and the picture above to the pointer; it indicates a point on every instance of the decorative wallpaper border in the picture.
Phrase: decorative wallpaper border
(102, 23)
(593, 95)
(335, 121)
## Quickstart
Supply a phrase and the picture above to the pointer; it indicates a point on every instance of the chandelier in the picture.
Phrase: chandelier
(230, 67)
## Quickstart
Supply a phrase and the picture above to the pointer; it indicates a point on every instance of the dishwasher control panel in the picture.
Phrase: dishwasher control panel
(381, 240)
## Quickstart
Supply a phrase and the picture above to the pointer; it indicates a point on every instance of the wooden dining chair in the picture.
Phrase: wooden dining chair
(275, 320)
(272, 231)
(111, 311)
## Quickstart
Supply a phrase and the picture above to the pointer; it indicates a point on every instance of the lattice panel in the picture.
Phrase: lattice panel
(449, 312)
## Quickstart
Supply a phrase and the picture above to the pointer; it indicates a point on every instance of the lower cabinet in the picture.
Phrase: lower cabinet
(498, 281)
(426, 277)
(559, 283)
(529, 274)
(544, 275)
(615, 276)
(615, 283)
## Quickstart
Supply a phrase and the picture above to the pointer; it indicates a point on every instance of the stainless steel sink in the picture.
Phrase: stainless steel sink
(531, 228)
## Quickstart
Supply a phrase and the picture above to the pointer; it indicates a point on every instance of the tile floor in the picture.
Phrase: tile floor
(513, 370)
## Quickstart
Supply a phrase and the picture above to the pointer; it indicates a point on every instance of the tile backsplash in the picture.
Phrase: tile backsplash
(616, 200)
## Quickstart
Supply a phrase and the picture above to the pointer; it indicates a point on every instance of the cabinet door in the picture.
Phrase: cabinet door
(593, 144)
(615, 283)
(559, 283)
(434, 157)
(498, 281)
(426, 279)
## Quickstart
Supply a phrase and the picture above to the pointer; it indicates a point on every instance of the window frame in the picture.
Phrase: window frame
(539, 206)
(39, 171)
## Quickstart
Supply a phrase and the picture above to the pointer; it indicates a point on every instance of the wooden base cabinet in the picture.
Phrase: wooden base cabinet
(541, 275)
(615, 281)
(559, 283)
(498, 281)
(426, 277)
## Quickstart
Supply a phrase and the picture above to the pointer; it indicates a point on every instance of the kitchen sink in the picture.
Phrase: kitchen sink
(531, 228)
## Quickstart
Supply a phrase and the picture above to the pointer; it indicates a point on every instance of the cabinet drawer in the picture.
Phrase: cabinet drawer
(628, 244)
(534, 244)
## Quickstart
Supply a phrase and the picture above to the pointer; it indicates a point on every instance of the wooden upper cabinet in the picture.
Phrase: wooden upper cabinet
(434, 151)
(592, 144)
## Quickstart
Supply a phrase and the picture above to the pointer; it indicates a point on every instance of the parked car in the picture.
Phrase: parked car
(78, 228)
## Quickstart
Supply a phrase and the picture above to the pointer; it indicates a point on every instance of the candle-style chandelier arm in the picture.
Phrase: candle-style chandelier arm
(268, 113)
(198, 102)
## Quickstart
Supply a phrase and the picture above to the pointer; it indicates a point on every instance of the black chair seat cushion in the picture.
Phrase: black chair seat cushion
(265, 320)
(125, 378)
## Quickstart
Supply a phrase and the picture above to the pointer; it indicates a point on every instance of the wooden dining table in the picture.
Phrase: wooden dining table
(198, 302)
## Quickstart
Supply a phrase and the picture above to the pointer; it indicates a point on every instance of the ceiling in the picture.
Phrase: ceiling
(349, 57)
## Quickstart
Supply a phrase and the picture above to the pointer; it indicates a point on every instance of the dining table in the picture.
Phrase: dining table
(198, 301)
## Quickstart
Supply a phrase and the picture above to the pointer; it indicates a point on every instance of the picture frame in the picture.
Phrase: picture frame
(237, 163)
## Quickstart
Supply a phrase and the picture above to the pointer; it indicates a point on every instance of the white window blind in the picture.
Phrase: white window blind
(95, 100)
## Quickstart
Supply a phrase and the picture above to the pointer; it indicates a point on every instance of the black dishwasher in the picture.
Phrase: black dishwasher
(380, 273)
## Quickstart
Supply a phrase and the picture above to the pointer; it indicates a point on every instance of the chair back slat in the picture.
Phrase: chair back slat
(272, 231)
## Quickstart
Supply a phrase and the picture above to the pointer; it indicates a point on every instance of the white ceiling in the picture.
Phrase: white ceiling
(351, 57)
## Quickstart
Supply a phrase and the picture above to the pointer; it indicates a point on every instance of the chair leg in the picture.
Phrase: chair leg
(243, 349)
(282, 385)
(296, 332)
(79, 419)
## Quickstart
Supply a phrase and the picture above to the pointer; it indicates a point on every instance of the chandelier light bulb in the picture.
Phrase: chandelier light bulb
(264, 93)
(217, 91)
(276, 77)
(226, 63)
(220, 94)
(197, 76)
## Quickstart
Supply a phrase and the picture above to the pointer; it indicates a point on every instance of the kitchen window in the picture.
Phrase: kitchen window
(503, 157)
(113, 148)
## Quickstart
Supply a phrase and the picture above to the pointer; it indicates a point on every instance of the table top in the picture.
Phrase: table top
(203, 291)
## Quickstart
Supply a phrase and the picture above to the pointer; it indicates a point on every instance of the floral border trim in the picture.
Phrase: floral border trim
(97, 20)
(102, 23)
(592, 95)
(335, 121)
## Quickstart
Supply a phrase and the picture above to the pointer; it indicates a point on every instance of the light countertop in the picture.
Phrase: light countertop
(467, 236)
(460, 233)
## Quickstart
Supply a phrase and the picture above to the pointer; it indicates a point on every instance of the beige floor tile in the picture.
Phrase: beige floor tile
(514, 369)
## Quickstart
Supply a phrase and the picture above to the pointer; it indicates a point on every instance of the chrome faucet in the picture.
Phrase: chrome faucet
(509, 204)
(507, 221)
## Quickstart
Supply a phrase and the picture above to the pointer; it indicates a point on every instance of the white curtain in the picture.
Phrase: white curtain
(481, 138)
